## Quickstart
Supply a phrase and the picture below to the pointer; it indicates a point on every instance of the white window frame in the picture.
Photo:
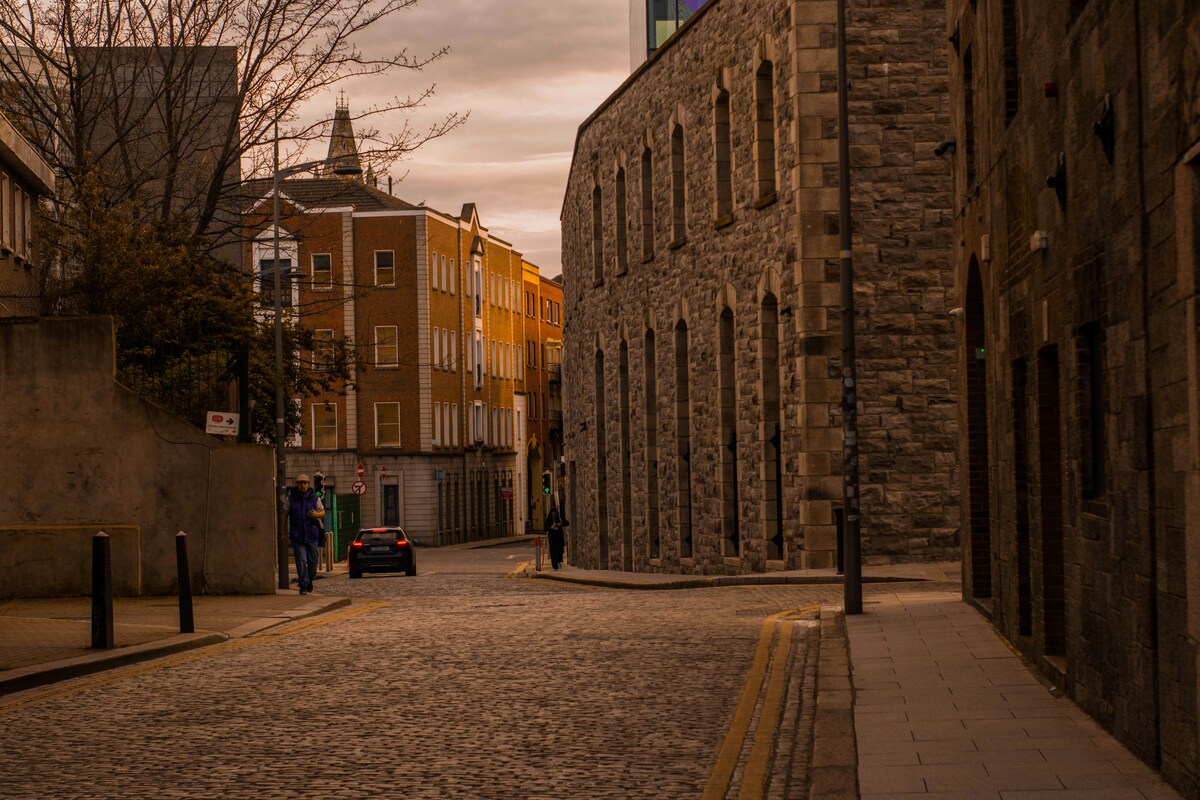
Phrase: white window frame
(454, 351)
(437, 412)
(324, 286)
(443, 273)
(316, 439)
(434, 277)
(437, 348)
(454, 424)
(452, 274)
(399, 434)
(395, 343)
(392, 253)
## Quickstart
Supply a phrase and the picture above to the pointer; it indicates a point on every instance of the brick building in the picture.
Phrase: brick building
(24, 177)
(541, 382)
(1076, 181)
(701, 270)
(433, 305)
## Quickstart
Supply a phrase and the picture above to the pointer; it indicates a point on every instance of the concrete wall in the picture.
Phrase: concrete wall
(83, 453)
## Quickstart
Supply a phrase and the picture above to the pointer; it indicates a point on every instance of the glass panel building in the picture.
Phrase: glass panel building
(651, 22)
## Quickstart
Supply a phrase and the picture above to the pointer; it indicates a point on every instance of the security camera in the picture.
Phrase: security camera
(947, 146)
(956, 312)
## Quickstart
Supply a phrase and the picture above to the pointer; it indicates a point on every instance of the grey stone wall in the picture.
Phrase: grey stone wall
(83, 454)
(785, 247)
(1119, 628)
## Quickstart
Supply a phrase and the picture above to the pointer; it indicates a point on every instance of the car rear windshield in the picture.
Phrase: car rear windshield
(380, 537)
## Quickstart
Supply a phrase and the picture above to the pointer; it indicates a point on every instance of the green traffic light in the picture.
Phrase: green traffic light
(545, 490)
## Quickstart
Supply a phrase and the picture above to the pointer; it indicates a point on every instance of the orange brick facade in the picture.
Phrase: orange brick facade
(435, 411)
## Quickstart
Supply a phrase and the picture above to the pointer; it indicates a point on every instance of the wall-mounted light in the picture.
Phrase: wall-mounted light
(955, 39)
(946, 146)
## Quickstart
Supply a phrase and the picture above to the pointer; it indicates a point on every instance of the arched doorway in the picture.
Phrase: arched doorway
(978, 465)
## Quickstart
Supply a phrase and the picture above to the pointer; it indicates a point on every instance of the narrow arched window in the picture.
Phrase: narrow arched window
(731, 543)
(722, 158)
(647, 204)
(597, 235)
(764, 130)
(678, 192)
(622, 225)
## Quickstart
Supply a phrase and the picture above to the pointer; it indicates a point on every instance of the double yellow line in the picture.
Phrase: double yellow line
(754, 776)
(37, 697)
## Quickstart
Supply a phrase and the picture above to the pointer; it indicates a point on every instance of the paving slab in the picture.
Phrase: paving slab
(48, 640)
(944, 708)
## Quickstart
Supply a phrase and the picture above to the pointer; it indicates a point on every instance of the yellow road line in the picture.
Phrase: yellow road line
(739, 727)
(754, 779)
(515, 571)
(37, 697)
(718, 781)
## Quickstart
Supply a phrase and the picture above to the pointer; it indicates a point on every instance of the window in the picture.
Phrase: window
(647, 205)
(446, 356)
(969, 114)
(454, 424)
(387, 424)
(434, 270)
(437, 416)
(444, 276)
(453, 274)
(454, 351)
(722, 157)
(1012, 76)
(324, 426)
(520, 365)
(266, 277)
(385, 268)
(437, 348)
(387, 350)
(322, 271)
(678, 192)
(764, 130)
(622, 224)
(597, 236)
(322, 352)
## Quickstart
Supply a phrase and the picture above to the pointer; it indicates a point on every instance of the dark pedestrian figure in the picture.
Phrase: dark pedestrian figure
(305, 512)
(555, 537)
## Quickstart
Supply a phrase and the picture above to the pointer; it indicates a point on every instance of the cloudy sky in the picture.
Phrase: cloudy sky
(529, 71)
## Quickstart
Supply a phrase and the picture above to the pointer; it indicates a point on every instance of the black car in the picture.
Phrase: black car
(382, 550)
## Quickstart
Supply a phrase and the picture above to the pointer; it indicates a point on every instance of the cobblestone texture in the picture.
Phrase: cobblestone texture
(466, 685)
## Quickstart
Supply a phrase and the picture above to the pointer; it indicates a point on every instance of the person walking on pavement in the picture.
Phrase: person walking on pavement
(304, 512)
(555, 537)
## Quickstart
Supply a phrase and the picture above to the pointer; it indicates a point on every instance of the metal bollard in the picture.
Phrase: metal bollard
(187, 622)
(537, 553)
(102, 596)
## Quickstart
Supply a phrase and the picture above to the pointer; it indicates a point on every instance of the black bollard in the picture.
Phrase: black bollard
(187, 623)
(102, 596)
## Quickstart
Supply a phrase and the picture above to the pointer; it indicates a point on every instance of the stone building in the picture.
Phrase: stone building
(1076, 188)
(703, 425)
(432, 303)
(24, 177)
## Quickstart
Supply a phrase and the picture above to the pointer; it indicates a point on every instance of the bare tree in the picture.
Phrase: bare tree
(171, 102)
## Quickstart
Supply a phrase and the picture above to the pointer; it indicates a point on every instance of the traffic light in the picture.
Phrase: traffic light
(319, 484)
(546, 482)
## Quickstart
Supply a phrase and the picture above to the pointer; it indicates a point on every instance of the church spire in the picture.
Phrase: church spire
(343, 150)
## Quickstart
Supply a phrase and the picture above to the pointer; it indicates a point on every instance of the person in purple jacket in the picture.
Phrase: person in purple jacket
(305, 512)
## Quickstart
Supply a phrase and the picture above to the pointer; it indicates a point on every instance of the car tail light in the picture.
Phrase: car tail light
(356, 545)
(401, 543)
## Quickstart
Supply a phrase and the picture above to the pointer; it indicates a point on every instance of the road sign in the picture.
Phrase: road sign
(221, 423)
(361, 470)
(359, 487)
(506, 493)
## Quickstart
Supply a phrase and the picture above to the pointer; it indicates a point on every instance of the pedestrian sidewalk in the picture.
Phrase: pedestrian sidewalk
(47, 640)
(945, 709)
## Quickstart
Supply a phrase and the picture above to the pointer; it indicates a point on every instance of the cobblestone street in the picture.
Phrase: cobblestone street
(459, 682)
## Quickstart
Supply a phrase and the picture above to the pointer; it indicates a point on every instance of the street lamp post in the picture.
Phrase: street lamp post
(280, 388)
(851, 530)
